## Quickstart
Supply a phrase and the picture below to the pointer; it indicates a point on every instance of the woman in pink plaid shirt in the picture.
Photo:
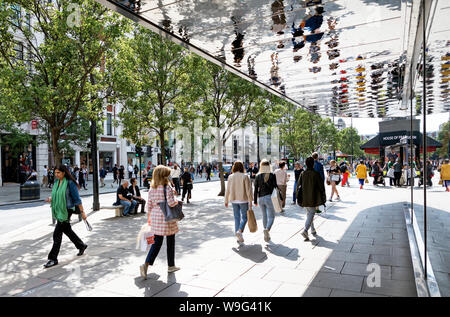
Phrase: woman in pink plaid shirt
(158, 226)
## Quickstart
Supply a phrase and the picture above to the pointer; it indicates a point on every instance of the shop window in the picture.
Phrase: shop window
(109, 124)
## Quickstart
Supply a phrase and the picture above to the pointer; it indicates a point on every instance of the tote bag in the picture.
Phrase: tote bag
(171, 214)
(252, 225)
(276, 200)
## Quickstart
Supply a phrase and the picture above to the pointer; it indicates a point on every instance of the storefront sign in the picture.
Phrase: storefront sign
(391, 138)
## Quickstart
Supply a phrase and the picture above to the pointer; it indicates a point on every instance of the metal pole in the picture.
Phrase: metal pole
(351, 130)
(140, 171)
(425, 173)
(412, 150)
(95, 190)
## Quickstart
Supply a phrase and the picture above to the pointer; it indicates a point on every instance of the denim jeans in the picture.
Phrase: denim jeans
(310, 211)
(240, 216)
(268, 211)
(128, 206)
(294, 198)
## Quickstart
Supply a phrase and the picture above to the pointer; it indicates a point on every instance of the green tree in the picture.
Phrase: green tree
(227, 100)
(345, 142)
(154, 81)
(444, 138)
(52, 84)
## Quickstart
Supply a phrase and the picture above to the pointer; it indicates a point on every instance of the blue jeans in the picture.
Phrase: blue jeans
(310, 211)
(294, 199)
(128, 206)
(240, 216)
(268, 211)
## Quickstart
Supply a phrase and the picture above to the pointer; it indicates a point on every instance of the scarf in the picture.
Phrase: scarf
(59, 206)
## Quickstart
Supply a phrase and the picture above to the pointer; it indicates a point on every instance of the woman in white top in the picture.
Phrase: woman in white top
(175, 175)
(239, 193)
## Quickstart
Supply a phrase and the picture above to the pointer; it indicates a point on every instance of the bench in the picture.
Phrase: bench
(119, 209)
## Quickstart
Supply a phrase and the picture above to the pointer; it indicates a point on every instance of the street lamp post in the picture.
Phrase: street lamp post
(95, 189)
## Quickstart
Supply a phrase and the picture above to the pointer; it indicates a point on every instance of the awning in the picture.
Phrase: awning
(333, 57)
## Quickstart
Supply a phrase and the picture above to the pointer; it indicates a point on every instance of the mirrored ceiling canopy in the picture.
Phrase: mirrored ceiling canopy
(342, 58)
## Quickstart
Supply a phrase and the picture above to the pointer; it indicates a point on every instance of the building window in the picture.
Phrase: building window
(18, 51)
(109, 124)
(17, 14)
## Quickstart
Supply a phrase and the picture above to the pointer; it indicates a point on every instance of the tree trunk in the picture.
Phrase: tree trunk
(163, 149)
(56, 152)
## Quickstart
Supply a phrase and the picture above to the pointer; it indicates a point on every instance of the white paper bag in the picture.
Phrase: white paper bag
(145, 238)
(276, 200)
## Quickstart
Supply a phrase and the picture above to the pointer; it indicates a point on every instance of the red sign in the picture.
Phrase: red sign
(33, 124)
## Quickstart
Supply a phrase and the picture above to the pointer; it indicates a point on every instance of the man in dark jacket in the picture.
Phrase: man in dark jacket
(318, 166)
(312, 195)
(134, 190)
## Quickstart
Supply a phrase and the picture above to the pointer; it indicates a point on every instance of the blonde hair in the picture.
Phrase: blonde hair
(160, 176)
(333, 162)
(265, 168)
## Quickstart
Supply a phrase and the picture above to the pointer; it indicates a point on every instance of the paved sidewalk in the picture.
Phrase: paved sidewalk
(365, 227)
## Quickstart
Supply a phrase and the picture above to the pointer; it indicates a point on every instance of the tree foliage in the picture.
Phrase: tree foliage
(52, 84)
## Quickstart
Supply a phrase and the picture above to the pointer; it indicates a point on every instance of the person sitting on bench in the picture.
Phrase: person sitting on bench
(134, 190)
(125, 198)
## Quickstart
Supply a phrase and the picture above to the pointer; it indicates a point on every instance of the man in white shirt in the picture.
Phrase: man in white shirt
(45, 177)
(282, 179)
(130, 171)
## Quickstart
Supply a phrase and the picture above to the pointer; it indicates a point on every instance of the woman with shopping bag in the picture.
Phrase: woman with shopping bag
(265, 185)
(239, 193)
(156, 220)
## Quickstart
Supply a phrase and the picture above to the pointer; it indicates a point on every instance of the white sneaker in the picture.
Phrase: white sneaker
(172, 269)
(143, 272)
(239, 237)
(266, 235)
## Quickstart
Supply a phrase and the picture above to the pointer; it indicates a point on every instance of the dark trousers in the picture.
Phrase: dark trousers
(208, 177)
(63, 227)
(397, 176)
(176, 182)
(139, 202)
(188, 191)
(154, 250)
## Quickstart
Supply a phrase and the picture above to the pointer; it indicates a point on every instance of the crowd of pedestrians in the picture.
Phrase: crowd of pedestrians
(262, 185)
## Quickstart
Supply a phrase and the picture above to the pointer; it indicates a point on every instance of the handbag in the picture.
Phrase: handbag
(171, 214)
(252, 225)
(390, 173)
(366, 181)
(276, 200)
(328, 180)
(335, 178)
(441, 182)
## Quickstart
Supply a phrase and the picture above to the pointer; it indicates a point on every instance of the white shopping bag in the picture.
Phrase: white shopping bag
(145, 238)
(276, 200)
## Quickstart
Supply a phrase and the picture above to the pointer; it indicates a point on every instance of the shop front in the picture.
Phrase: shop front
(17, 162)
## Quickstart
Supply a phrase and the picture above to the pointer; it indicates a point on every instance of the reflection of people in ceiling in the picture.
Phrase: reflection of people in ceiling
(313, 24)
(274, 77)
(251, 66)
(314, 52)
(237, 44)
(297, 38)
(278, 17)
